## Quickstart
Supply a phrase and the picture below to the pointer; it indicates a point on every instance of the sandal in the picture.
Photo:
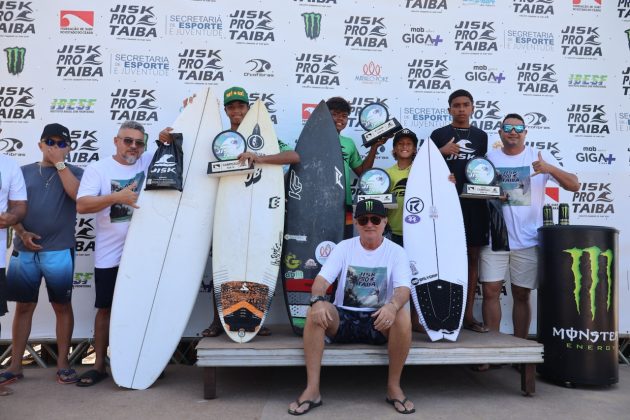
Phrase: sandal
(214, 330)
(404, 410)
(7, 378)
(91, 377)
(476, 326)
(264, 332)
(310, 406)
(67, 376)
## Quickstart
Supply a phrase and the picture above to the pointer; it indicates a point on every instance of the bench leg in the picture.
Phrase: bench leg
(528, 378)
(209, 383)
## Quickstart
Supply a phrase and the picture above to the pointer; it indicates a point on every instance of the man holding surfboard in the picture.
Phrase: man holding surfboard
(460, 142)
(369, 307)
(236, 106)
(340, 110)
(109, 188)
(524, 173)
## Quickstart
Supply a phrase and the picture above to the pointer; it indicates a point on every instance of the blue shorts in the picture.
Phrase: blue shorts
(357, 327)
(26, 269)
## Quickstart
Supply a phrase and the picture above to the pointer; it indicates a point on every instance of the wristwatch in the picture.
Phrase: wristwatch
(60, 166)
(315, 299)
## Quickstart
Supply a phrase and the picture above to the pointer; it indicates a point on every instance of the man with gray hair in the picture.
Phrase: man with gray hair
(109, 188)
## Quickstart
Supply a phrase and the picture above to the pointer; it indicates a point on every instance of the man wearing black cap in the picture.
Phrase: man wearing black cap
(370, 305)
(44, 247)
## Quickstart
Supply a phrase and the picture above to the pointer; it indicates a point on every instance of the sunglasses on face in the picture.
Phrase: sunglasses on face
(62, 144)
(363, 220)
(519, 128)
(129, 141)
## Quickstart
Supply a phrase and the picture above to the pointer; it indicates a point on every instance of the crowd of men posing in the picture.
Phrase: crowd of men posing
(44, 241)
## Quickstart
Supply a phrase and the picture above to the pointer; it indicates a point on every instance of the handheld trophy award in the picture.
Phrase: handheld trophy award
(226, 147)
(374, 118)
(375, 183)
(482, 180)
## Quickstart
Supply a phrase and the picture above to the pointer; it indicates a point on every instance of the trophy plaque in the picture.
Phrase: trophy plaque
(375, 183)
(226, 147)
(482, 180)
(374, 118)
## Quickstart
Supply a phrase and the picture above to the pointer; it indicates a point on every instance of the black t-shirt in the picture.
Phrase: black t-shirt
(472, 141)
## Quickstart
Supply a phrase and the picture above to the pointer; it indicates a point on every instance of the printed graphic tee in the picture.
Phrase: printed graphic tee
(526, 194)
(103, 178)
(367, 279)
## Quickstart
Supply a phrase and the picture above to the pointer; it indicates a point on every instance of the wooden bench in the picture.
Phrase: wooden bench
(283, 348)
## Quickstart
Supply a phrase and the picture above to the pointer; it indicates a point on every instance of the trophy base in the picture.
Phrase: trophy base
(388, 128)
(484, 192)
(387, 199)
(228, 167)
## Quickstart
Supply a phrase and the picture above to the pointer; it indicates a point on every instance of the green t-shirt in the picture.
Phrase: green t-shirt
(284, 147)
(351, 160)
(398, 179)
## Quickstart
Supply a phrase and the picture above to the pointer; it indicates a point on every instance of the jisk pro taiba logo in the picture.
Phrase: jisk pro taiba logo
(133, 104)
(200, 65)
(79, 62)
(15, 104)
(533, 8)
(581, 42)
(84, 147)
(428, 75)
(537, 79)
(252, 27)
(475, 37)
(132, 22)
(587, 120)
(365, 32)
(16, 19)
(316, 70)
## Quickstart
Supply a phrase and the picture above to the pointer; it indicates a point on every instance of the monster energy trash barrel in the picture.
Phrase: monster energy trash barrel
(577, 304)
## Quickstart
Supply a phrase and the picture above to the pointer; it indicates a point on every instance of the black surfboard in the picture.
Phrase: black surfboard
(315, 211)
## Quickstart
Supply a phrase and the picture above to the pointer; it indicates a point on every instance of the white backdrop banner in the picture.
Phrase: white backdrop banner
(562, 64)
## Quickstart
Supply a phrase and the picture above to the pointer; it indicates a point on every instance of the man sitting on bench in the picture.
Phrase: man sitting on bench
(370, 305)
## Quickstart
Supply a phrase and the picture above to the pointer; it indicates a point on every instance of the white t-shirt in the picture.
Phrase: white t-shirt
(367, 279)
(526, 194)
(103, 178)
(12, 188)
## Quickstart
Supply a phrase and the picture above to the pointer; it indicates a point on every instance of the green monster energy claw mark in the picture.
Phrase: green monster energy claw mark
(593, 253)
(15, 59)
(628, 34)
(368, 206)
(312, 24)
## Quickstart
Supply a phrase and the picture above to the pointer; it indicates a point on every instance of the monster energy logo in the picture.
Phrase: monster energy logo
(15, 59)
(593, 253)
(628, 34)
(369, 205)
(312, 24)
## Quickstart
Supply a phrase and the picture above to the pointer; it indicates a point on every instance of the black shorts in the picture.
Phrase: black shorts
(357, 327)
(476, 221)
(105, 282)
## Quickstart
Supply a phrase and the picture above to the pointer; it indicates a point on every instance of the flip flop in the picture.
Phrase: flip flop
(405, 410)
(213, 330)
(476, 326)
(94, 377)
(311, 405)
(7, 378)
(67, 376)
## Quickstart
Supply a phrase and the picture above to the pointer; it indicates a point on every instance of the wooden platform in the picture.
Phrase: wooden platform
(283, 348)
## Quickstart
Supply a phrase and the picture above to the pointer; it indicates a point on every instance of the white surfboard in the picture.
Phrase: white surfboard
(248, 225)
(165, 254)
(435, 242)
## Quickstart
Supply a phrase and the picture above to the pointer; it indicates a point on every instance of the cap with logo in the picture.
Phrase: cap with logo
(57, 130)
(370, 206)
(235, 93)
(406, 133)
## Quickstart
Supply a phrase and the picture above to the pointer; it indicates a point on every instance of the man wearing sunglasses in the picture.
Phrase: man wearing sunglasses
(370, 306)
(109, 188)
(44, 247)
(524, 173)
